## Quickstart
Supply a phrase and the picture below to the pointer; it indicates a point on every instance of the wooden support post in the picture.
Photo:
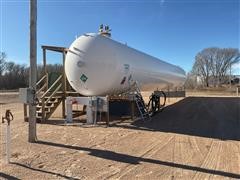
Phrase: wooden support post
(43, 109)
(45, 68)
(132, 109)
(25, 112)
(46, 83)
(33, 69)
(44, 60)
(63, 86)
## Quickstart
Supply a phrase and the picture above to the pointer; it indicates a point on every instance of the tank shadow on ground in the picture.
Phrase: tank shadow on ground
(61, 122)
(6, 176)
(212, 117)
(124, 158)
(43, 171)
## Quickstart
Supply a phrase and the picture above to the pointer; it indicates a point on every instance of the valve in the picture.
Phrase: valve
(8, 117)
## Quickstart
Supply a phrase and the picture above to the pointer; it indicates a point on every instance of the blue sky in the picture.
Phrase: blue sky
(172, 30)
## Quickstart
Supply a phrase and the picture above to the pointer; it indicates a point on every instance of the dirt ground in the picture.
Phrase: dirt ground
(192, 138)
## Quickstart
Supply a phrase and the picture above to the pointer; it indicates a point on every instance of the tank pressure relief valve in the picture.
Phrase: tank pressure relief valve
(104, 30)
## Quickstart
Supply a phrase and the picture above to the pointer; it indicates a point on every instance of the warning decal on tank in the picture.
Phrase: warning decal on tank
(123, 80)
(126, 68)
(83, 78)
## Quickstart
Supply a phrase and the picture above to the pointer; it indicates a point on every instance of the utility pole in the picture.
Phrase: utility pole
(33, 69)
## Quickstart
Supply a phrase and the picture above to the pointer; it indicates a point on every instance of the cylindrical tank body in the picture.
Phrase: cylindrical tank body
(98, 65)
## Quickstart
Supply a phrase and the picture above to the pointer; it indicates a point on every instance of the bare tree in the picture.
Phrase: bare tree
(191, 81)
(14, 76)
(226, 58)
(2, 62)
(202, 66)
(214, 63)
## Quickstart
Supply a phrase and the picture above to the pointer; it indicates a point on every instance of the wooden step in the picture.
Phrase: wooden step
(39, 114)
(54, 97)
(50, 106)
(49, 103)
(47, 106)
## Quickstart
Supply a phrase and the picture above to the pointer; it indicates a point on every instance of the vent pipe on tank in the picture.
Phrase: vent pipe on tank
(104, 30)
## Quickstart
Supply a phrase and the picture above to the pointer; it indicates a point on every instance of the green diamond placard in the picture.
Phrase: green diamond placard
(83, 78)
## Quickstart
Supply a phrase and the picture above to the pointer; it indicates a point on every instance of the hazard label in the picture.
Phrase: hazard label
(83, 78)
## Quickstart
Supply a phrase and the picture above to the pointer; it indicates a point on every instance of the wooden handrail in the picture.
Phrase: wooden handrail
(54, 92)
(58, 79)
(41, 79)
(38, 92)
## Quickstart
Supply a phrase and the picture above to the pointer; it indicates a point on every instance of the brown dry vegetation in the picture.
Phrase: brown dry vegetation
(194, 138)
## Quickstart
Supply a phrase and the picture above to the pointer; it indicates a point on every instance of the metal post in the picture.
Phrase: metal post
(69, 110)
(63, 86)
(107, 120)
(95, 102)
(168, 94)
(8, 143)
(33, 68)
(8, 118)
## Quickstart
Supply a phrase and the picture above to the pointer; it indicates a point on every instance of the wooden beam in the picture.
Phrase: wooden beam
(32, 134)
(132, 109)
(25, 112)
(55, 48)
(44, 61)
(45, 68)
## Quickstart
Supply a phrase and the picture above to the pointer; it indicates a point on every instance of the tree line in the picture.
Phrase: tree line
(212, 67)
(14, 76)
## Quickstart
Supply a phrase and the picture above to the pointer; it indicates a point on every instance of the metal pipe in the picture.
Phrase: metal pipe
(8, 143)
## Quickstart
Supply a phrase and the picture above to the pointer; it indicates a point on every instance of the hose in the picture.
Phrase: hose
(154, 105)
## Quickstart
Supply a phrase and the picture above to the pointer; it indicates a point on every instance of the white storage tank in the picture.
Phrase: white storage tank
(97, 65)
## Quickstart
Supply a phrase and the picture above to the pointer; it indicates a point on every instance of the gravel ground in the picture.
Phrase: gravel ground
(194, 138)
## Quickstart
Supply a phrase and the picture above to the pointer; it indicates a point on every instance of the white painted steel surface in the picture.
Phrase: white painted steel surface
(98, 65)
(93, 105)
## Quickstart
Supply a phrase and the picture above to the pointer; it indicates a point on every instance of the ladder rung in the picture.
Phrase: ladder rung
(140, 104)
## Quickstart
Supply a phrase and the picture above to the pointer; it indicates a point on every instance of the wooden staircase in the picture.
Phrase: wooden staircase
(50, 107)
(48, 98)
